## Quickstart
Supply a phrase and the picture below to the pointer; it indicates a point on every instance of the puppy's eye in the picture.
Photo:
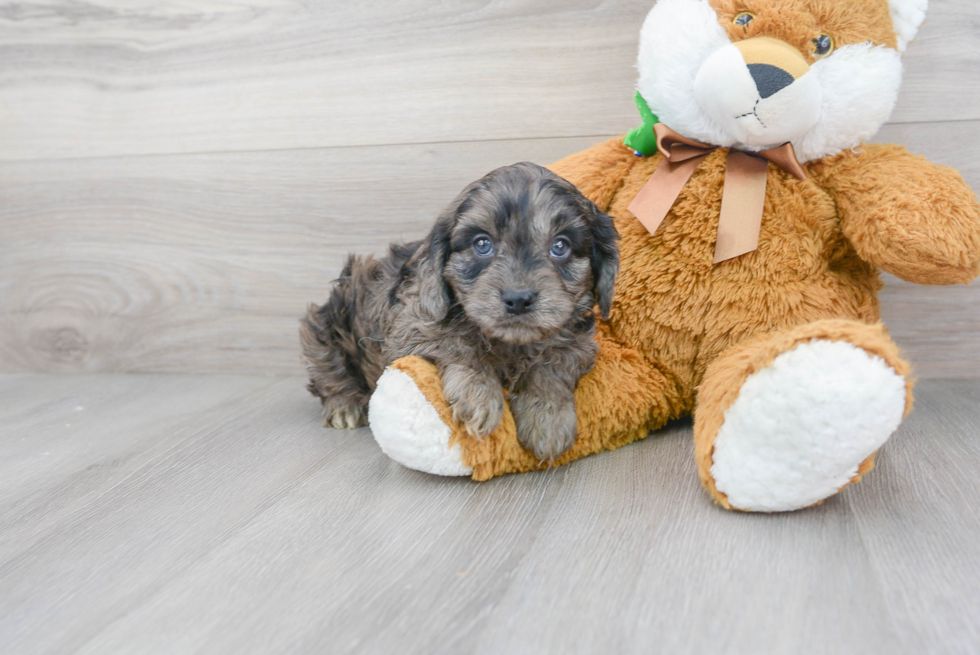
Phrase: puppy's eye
(744, 18)
(560, 248)
(823, 45)
(483, 246)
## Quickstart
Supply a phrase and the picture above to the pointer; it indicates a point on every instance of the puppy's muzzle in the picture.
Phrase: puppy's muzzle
(518, 301)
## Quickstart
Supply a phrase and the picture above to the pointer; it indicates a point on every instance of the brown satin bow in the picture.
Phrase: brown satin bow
(743, 196)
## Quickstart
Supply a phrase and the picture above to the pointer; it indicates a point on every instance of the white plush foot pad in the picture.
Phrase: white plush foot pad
(800, 428)
(408, 427)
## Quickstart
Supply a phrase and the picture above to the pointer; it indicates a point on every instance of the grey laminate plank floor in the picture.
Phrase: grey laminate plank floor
(210, 515)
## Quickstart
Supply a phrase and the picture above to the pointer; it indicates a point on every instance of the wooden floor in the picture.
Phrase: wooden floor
(212, 514)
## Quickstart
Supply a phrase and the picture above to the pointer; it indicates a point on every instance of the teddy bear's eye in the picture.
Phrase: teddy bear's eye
(823, 45)
(744, 18)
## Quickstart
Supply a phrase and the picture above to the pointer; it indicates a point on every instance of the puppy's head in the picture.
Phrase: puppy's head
(521, 250)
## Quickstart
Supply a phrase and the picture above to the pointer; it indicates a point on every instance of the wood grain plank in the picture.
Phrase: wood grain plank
(556, 562)
(67, 440)
(372, 558)
(263, 532)
(143, 532)
(112, 78)
(203, 263)
(75, 575)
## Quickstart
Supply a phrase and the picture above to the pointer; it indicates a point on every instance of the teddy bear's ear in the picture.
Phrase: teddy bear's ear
(907, 16)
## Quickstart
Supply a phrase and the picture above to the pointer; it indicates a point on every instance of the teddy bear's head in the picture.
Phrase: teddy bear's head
(755, 74)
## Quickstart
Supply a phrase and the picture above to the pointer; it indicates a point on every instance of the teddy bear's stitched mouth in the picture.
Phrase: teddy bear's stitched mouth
(754, 113)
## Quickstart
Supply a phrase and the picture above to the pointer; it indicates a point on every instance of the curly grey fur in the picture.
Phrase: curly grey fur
(442, 300)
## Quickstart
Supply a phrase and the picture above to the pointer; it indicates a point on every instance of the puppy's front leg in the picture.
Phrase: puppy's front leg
(544, 413)
(476, 397)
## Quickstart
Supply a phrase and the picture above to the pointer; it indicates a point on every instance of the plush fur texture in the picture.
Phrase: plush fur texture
(419, 438)
(687, 336)
(815, 429)
(801, 427)
(499, 296)
(907, 16)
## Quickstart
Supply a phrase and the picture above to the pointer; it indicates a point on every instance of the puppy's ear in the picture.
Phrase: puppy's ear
(605, 257)
(435, 296)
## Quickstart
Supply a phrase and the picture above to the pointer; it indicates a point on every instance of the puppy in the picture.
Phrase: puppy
(500, 295)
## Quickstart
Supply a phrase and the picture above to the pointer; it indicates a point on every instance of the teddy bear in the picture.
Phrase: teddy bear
(753, 221)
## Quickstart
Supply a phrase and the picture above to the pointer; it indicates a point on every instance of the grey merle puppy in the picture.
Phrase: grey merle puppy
(500, 295)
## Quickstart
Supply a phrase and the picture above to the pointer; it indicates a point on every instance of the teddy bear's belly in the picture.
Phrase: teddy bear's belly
(681, 310)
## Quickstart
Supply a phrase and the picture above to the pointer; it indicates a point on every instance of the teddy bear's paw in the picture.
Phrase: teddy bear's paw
(801, 427)
(408, 428)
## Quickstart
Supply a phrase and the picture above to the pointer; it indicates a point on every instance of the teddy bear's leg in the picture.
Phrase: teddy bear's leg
(788, 419)
(618, 402)
(411, 420)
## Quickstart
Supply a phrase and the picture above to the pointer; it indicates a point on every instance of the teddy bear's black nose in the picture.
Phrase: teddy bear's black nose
(519, 302)
(769, 79)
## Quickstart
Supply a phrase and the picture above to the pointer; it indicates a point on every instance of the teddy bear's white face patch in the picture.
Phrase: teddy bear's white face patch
(755, 94)
(753, 98)
(860, 83)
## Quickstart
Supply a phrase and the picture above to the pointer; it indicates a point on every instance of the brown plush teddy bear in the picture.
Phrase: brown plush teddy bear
(751, 243)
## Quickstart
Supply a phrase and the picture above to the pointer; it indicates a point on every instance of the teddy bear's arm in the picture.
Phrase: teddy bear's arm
(598, 172)
(904, 214)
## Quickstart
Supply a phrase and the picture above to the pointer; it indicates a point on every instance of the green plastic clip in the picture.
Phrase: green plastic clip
(642, 139)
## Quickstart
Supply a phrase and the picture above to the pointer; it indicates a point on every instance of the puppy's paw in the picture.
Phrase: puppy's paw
(343, 414)
(479, 409)
(477, 400)
(547, 426)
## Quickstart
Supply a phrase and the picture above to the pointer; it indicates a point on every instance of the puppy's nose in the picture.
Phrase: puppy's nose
(518, 302)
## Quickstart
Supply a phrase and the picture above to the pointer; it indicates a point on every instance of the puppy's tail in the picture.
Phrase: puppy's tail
(329, 338)
(316, 353)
